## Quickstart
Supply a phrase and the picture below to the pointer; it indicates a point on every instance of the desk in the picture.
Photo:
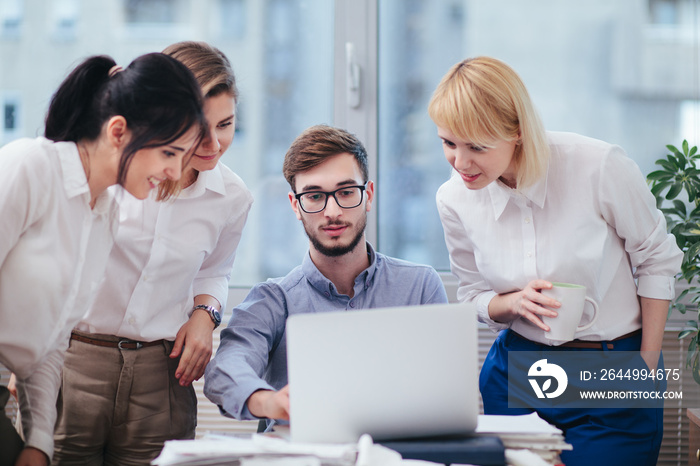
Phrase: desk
(694, 443)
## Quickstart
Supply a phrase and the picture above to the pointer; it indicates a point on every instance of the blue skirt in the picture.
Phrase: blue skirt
(600, 436)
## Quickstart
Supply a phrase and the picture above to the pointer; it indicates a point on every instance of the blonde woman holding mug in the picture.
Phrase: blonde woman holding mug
(525, 207)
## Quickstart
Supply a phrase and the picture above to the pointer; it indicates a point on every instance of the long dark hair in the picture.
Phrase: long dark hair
(156, 94)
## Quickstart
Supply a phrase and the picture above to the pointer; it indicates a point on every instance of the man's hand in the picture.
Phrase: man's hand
(270, 404)
(32, 457)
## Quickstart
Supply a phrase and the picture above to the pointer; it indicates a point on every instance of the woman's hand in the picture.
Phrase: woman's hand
(32, 457)
(196, 339)
(527, 303)
(12, 386)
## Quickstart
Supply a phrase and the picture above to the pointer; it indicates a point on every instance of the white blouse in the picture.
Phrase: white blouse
(53, 251)
(592, 221)
(166, 253)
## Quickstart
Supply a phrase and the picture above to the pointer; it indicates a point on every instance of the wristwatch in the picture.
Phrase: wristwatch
(213, 313)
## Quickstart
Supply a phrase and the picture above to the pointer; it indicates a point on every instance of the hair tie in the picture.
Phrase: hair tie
(114, 70)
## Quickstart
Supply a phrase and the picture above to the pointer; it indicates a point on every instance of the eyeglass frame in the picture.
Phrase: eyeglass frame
(328, 194)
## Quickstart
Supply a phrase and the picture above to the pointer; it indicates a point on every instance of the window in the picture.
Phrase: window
(597, 68)
(10, 112)
(65, 19)
(11, 16)
(169, 20)
(150, 11)
(231, 19)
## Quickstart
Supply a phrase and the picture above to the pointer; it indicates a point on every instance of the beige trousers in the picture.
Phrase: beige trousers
(119, 406)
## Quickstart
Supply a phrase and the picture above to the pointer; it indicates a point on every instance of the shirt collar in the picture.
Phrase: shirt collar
(324, 285)
(74, 179)
(501, 194)
(212, 180)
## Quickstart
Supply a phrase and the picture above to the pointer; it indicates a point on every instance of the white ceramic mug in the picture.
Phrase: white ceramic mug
(573, 299)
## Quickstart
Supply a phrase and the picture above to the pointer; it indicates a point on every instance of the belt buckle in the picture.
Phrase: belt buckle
(138, 344)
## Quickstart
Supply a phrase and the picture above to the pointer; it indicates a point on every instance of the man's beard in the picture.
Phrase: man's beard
(338, 250)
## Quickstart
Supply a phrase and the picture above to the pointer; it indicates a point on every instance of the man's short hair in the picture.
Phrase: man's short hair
(316, 145)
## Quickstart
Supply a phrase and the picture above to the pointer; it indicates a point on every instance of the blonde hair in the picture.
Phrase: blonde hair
(213, 72)
(483, 100)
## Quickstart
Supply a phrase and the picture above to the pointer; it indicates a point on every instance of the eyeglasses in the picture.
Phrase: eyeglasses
(346, 197)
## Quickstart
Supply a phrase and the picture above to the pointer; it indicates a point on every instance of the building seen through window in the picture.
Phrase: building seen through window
(623, 71)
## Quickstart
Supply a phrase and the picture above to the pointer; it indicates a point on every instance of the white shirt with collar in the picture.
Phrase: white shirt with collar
(591, 220)
(53, 252)
(168, 252)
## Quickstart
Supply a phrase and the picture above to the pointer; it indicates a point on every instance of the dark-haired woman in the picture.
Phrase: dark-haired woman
(105, 126)
(166, 282)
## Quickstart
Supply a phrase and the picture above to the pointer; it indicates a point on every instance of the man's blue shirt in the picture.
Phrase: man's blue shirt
(252, 354)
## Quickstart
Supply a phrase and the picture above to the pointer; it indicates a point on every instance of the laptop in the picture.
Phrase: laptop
(393, 373)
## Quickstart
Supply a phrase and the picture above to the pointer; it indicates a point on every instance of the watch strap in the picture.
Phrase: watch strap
(212, 311)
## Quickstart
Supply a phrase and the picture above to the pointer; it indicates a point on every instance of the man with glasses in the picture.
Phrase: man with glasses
(331, 194)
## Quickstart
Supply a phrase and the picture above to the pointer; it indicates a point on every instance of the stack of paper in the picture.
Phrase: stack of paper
(527, 432)
(264, 450)
(227, 450)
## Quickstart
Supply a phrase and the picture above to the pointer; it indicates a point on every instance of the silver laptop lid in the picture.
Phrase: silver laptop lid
(400, 372)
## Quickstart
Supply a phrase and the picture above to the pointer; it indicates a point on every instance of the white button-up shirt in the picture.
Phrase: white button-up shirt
(168, 252)
(591, 221)
(53, 251)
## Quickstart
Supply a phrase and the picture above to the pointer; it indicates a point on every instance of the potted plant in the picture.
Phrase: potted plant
(676, 186)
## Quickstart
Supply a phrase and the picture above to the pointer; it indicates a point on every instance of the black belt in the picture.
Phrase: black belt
(589, 344)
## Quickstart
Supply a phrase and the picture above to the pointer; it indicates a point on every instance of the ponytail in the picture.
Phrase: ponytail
(73, 111)
(157, 95)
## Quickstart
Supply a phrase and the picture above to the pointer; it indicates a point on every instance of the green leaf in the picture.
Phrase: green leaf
(672, 148)
(692, 354)
(670, 167)
(675, 190)
(692, 324)
(693, 151)
(685, 332)
(692, 251)
(660, 175)
(680, 207)
(675, 162)
(685, 146)
(696, 369)
(657, 188)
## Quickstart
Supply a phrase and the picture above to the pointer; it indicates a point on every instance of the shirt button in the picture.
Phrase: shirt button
(327, 294)
(527, 220)
(132, 321)
(352, 304)
(529, 254)
(145, 278)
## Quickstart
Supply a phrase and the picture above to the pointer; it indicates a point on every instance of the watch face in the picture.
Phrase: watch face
(217, 316)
